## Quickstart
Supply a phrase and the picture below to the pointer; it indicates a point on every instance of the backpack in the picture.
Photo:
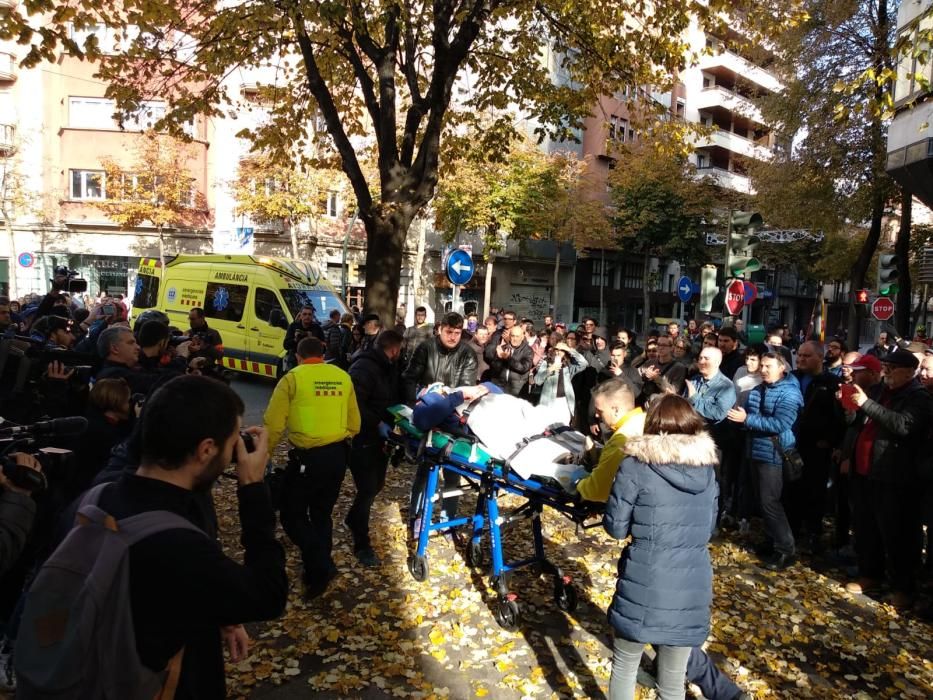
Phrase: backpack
(76, 639)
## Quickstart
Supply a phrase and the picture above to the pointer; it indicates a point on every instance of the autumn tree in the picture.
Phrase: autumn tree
(270, 191)
(16, 198)
(155, 187)
(524, 194)
(837, 64)
(380, 68)
(660, 209)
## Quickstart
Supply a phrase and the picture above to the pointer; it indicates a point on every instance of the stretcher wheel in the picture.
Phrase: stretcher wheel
(565, 596)
(474, 554)
(508, 614)
(418, 567)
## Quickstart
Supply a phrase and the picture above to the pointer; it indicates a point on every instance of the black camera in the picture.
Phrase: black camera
(23, 477)
(248, 442)
(67, 280)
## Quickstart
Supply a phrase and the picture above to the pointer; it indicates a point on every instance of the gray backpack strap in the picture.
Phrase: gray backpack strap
(136, 527)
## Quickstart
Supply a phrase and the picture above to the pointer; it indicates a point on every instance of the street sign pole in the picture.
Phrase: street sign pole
(725, 264)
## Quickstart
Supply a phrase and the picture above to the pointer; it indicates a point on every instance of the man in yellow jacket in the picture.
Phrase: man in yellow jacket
(316, 403)
(614, 402)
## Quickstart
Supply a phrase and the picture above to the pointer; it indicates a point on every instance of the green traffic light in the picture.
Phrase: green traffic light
(890, 290)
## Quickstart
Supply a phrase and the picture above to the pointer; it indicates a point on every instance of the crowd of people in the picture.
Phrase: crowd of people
(693, 431)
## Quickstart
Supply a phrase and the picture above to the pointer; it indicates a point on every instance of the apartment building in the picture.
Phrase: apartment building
(719, 91)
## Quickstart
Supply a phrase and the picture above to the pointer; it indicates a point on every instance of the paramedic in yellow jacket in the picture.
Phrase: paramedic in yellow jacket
(614, 402)
(316, 403)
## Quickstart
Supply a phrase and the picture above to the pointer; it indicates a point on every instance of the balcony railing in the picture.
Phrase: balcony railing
(7, 67)
(742, 67)
(741, 145)
(728, 179)
(718, 96)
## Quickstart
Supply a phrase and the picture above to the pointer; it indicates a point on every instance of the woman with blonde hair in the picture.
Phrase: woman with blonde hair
(664, 496)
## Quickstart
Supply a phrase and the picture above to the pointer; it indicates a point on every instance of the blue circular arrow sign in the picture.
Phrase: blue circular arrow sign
(685, 289)
(460, 267)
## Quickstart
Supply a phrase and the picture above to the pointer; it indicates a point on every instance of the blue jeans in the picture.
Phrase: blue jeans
(770, 484)
(672, 670)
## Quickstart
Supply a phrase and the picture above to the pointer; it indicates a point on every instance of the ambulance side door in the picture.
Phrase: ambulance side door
(265, 337)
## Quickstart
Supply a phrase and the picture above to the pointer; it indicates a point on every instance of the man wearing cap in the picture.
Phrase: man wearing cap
(896, 418)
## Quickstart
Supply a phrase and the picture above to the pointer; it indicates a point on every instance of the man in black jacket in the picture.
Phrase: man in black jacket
(896, 418)
(189, 434)
(446, 358)
(510, 361)
(304, 326)
(376, 386)
(819, 430)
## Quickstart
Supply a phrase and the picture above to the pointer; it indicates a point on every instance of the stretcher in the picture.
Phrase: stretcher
(435, 453)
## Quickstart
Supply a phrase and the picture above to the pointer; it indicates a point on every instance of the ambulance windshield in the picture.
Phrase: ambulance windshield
(322, 300)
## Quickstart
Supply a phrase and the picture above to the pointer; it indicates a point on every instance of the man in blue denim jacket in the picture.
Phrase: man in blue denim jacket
(771, 413)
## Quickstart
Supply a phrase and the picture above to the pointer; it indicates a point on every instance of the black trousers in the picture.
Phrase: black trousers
(312, 483)
(805, 499)
(887, 531)
(368, 466)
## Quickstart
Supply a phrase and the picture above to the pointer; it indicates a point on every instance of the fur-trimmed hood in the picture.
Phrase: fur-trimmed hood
(683, 450)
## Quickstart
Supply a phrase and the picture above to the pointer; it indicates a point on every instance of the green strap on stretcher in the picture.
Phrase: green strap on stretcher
(462, 448)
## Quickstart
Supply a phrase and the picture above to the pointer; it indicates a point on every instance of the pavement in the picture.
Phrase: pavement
(255, 392)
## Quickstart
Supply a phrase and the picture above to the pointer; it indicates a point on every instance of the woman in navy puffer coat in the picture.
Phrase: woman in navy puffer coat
(664, 496)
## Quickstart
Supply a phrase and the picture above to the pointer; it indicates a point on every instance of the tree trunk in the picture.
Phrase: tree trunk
(385, 242)
(556, 297)
(646, 298)
(487, 292)
(293, 232)
(162, 250)
(12, 292)
(902, 306)
(859, 270)
(602, 280)
(417, 271)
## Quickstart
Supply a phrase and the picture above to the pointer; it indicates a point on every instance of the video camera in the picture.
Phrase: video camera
(67, 280)
(29, 439)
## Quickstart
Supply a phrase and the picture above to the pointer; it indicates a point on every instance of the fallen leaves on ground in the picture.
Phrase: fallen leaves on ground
(794, 634)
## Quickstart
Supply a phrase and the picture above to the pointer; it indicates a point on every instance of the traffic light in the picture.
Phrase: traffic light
(861, 296)
(741, 260)
(887, 274)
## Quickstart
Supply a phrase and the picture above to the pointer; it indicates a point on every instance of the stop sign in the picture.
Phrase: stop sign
(882, 308)
(735, 297)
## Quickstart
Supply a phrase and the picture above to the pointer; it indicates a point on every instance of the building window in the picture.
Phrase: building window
(331, 205)
(702, 161)
(680, 109)
(632, 275)
(600, 274)
(909, 85)
(88, 184)
(145, 117)
(618, 128)
(707, 82)
(90, 113)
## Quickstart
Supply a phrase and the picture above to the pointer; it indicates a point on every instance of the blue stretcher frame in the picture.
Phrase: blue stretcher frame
(489, 479)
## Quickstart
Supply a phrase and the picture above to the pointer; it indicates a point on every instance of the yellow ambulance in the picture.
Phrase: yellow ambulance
(249, 299)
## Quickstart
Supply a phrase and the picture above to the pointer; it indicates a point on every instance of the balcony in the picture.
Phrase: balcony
(735, 67)
(727, 179)
(7, 67)
(737, 144)
(7, 138)
(718, 97)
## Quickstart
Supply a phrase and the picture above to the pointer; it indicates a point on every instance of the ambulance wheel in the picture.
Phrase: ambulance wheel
(418, 567)
(474, 555)
(508, 614)
(565, 596)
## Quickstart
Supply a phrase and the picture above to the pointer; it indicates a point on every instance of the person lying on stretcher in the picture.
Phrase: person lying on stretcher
(498, 420)
(510, 430)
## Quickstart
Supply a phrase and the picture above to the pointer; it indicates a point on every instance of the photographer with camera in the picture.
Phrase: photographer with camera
(180, 615)
(17, 511)
(511, 361)
(155, 356)
(304, 326)
(212, 345)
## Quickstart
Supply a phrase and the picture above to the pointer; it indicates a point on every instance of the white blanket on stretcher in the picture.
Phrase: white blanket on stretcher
(502, 423)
